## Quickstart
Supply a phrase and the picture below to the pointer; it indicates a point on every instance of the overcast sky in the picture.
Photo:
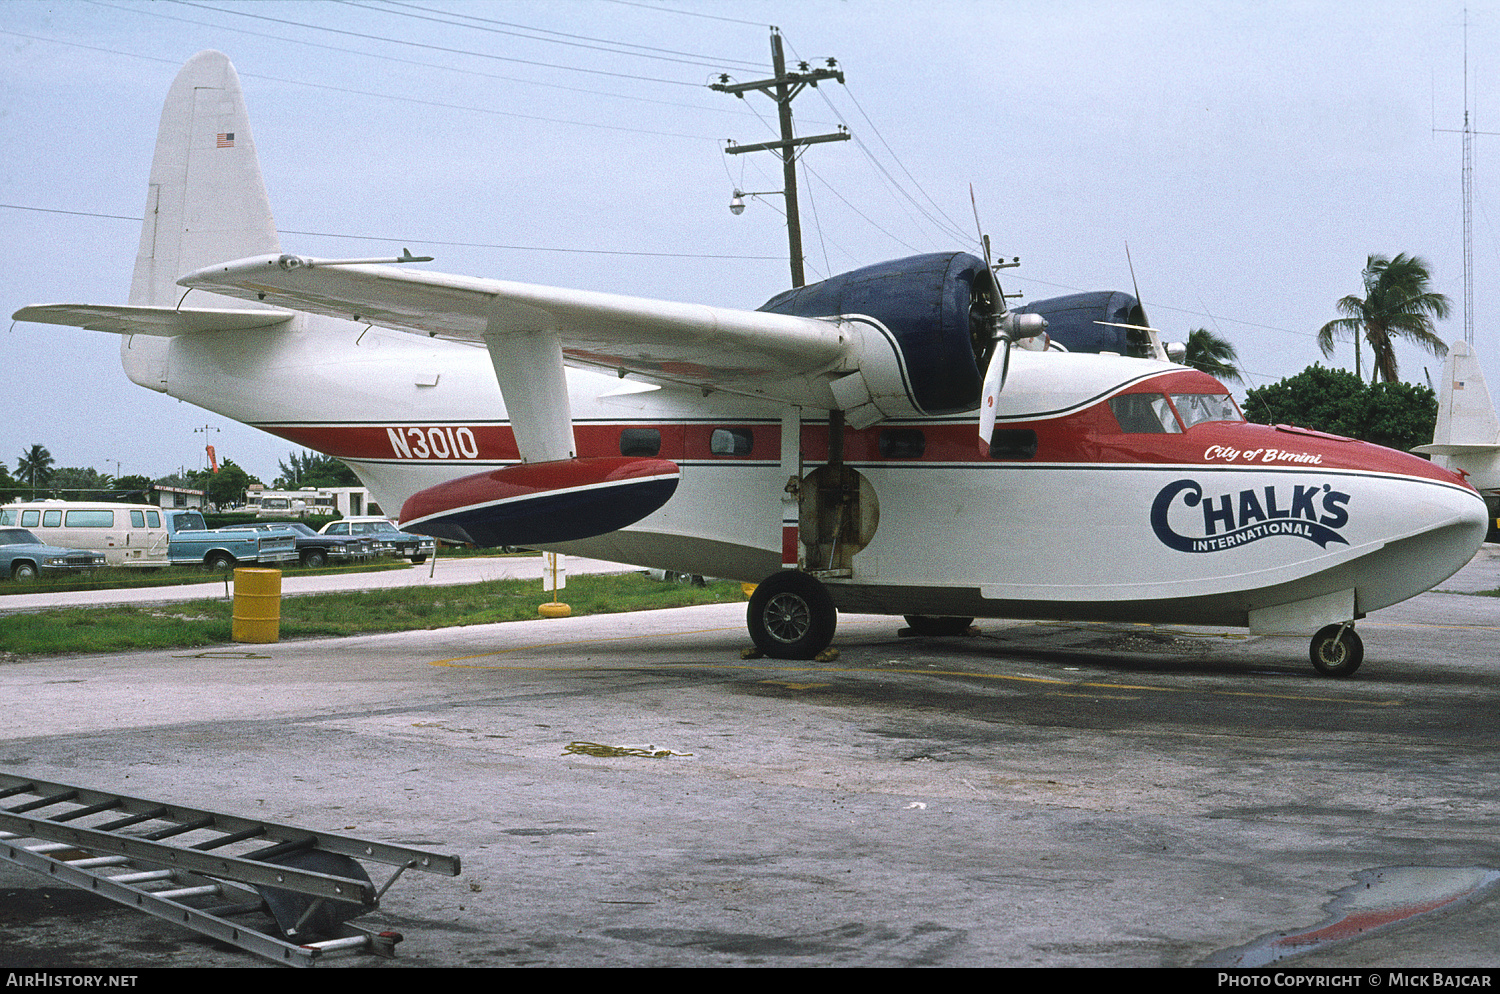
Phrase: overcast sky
(1252, 155)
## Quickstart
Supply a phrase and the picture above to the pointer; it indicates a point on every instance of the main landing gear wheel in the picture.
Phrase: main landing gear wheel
(1337, 651)
(927, 625)
(791, 616)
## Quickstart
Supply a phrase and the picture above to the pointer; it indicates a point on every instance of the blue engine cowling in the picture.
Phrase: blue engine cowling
(935, 307)
(1073, 322)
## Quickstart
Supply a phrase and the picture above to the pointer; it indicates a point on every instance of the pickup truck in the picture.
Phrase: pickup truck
(189, 540)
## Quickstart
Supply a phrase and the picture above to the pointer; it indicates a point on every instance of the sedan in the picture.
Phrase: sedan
(24, 557)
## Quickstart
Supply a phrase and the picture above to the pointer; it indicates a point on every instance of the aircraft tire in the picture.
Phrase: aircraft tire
(924, 624)
(791, 616)
(1337, 655)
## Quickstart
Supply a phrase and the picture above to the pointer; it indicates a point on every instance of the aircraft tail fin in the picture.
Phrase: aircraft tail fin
(1467, 436)
(207, 202)
(1466, 415)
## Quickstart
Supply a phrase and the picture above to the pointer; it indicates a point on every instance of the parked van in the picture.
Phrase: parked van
(127, 534)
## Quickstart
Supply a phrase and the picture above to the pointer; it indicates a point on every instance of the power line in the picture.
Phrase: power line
(380, 96)
(437, 48)
(427, 241)
(691, 13)
(406, 62)
(563, 37)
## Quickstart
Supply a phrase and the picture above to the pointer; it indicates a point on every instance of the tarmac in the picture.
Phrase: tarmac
(1036, 794)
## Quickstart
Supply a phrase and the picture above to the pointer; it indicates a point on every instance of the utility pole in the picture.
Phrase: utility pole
(783, 88)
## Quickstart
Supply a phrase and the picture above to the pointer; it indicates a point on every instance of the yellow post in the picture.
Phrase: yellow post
(554, 578)
(257, 605)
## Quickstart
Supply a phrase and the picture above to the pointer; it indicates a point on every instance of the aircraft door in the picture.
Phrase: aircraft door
(839, 514)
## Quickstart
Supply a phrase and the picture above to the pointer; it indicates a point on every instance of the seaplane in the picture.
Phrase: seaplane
(894, 440)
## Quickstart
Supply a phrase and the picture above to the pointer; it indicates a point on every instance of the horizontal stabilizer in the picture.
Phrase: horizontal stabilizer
(1456, 450)
(541, 503)
(163, 322)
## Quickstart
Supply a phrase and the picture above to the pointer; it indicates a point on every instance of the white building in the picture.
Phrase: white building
(344, 502)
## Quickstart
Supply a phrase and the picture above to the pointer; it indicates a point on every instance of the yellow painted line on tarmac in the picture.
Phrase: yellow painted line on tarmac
(466, 662)
(1367, 623)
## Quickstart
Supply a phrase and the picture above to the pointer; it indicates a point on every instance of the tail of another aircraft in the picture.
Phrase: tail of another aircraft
(207, 202)
(1467, 436)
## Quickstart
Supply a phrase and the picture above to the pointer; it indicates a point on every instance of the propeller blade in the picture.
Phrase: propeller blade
(994, 382)
(1151, 333)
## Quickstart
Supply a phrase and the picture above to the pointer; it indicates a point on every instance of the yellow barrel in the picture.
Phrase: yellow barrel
(257, 605)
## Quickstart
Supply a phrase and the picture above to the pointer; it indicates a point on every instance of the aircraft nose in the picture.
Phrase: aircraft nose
(1435, 529)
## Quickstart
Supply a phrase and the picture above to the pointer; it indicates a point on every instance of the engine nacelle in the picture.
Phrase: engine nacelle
(933, 311)
(1074, 322)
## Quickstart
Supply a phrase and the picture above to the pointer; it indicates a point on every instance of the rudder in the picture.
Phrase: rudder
(207, 201)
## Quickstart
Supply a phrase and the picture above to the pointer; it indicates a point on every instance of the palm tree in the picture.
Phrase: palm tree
(35, 466)
(1399, 303)
(1213, 355)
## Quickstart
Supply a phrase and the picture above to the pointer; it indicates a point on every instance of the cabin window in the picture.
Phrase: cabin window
(1013, 444)
(1144, 414)
(137, 519)
(640, 442)
(153, 519)
(902, 443)
(30, 519)
(731, 441)
(1196, 408)
(91, 519)
(51, 519)
(7, 517)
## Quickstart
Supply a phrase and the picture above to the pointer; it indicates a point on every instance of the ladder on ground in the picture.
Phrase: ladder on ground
(218, 874)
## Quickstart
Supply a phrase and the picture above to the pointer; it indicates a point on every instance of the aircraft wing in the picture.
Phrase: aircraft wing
(165, 322)
(658, 340)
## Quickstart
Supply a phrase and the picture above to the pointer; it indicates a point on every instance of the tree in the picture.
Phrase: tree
(1397, 415)
(34, 468)
(79, 483)
(131, 488)
(1399, 303)
(226, 488)
(1213, 355)
(313, 469)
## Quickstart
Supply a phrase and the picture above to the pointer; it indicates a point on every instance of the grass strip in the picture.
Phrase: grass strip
(190, 624)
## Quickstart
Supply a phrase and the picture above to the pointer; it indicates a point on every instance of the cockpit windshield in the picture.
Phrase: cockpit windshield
(1144, 414)
(1195, 408)
(1151, 414)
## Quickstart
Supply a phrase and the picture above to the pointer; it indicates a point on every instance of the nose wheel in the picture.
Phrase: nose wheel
(791, 616)
(1337, 651)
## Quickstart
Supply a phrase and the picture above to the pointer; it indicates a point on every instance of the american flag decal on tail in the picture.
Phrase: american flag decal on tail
(226, 140)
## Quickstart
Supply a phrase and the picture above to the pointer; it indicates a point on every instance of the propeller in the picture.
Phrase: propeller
(1006, 328)
(1154, 334)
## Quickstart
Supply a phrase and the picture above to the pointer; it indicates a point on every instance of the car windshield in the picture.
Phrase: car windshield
(299, 528)
(382, 526)
(18, 536)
